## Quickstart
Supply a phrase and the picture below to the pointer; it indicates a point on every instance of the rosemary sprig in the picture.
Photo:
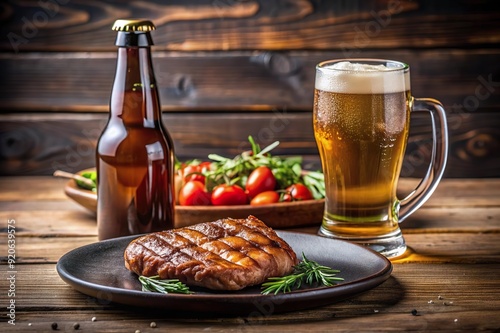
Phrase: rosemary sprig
(154, 284)
(306, 272)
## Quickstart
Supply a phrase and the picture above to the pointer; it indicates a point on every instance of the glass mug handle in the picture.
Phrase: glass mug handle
(439, 157)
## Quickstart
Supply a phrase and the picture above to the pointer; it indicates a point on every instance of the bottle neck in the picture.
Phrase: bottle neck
(133, 38)
(135, 96)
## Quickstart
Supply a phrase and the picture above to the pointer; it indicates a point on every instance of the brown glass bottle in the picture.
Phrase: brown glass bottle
(135, 155)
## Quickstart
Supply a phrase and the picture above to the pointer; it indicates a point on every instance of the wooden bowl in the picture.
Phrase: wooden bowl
(278, 215)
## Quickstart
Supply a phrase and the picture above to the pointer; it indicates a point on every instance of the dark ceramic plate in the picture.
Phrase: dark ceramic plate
(98, 270)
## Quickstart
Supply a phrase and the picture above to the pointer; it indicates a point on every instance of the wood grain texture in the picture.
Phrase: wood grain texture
(227, 69)
(465, 81)
(249, 25)
(32, 192)
(42, 143)
(237, 57)
(273, 46)
(440, 319)
(460, 206)
(450, 274)
(424, 247)
(411, 287)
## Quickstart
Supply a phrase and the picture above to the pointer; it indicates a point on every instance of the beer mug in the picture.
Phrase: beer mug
(361, 121)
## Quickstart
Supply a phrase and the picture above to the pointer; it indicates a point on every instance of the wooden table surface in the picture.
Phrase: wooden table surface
(450, 275)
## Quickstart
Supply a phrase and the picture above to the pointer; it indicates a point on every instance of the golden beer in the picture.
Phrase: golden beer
(361, 124)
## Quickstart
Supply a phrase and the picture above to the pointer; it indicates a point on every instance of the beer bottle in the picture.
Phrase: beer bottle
(135, 156)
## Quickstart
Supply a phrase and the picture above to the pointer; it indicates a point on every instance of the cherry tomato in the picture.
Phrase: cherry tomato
(205, 166)
(228, 195)
(297, 192)
(260, 180)
(193, 193)
(193, 172)
(263, 198)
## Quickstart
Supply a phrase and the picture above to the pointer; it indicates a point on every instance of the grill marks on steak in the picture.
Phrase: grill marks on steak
(228, 254)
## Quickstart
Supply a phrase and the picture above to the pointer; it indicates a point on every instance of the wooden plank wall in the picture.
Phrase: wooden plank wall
(232, 68)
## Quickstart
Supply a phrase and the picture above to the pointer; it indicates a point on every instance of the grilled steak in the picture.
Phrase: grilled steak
(228, 254)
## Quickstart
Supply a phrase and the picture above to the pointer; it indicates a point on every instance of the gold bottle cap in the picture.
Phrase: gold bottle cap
(133, 25)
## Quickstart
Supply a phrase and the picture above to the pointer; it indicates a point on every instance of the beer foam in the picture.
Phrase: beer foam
(356, 78)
